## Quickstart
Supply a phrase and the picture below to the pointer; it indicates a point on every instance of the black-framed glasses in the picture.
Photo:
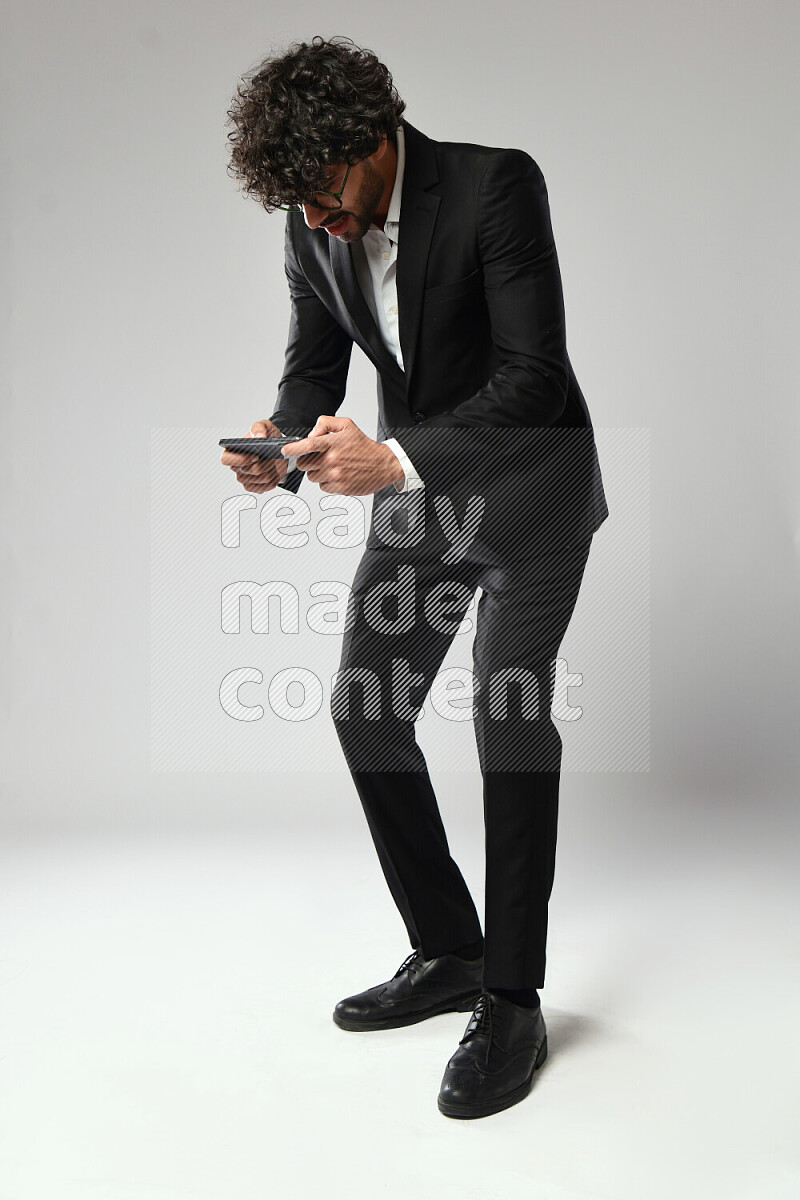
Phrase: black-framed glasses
(335, 196)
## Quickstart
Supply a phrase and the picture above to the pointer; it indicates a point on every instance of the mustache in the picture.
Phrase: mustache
(340, 216)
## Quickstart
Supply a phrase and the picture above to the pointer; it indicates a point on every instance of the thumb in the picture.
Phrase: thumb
(313, 443)
(264, 428)
(329, 425)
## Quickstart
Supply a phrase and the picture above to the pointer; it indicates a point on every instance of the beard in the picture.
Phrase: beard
(364, 207)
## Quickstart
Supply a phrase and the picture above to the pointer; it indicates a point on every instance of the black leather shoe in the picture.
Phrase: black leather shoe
(417, 990)
(494, 1064)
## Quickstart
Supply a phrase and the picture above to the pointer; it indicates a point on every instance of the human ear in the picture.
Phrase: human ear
(380, 150)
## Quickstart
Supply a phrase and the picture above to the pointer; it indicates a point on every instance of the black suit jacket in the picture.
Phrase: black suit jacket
(488, 403)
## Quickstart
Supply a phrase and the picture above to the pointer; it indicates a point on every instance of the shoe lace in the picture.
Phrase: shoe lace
(481, 1019)
(414, 957)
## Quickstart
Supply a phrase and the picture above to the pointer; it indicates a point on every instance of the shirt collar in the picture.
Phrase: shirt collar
(392, 225)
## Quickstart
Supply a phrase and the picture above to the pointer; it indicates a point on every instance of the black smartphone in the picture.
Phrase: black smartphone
(266, 447)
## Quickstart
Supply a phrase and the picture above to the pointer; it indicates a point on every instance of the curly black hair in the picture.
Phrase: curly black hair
(323, 102)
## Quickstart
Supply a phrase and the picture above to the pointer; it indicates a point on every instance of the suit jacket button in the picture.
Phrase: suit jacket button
(418, 417)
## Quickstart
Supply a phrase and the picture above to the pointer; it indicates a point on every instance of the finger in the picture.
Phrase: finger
(320, 476)
(264, 428)
(258, 472)
(326, 424)
(261, 466)
(313, 444)
(306, 461)
(229, 459)
(257, 480)
(254, 465)
(257, 489)
(256, 485)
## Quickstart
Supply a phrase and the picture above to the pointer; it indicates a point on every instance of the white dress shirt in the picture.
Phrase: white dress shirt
(375, 262)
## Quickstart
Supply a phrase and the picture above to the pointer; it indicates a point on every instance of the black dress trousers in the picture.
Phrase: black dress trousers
(404, 612)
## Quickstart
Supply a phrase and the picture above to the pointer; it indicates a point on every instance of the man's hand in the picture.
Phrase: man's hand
(257, 474)
(347, 462)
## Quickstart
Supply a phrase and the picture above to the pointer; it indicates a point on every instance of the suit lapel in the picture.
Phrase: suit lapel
(418, 210)
(344, 273)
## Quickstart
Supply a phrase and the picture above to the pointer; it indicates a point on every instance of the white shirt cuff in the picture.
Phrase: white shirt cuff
(412, 480)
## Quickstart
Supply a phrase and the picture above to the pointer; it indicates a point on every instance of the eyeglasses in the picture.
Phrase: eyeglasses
(335, 196)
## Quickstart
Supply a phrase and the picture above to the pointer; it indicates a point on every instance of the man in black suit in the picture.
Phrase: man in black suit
(438, 260)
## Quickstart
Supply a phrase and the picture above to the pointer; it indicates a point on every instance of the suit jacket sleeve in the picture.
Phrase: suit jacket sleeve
(317, 359)
(524, 298)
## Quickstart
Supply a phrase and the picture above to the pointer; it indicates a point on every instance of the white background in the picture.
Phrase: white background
(176, 940)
